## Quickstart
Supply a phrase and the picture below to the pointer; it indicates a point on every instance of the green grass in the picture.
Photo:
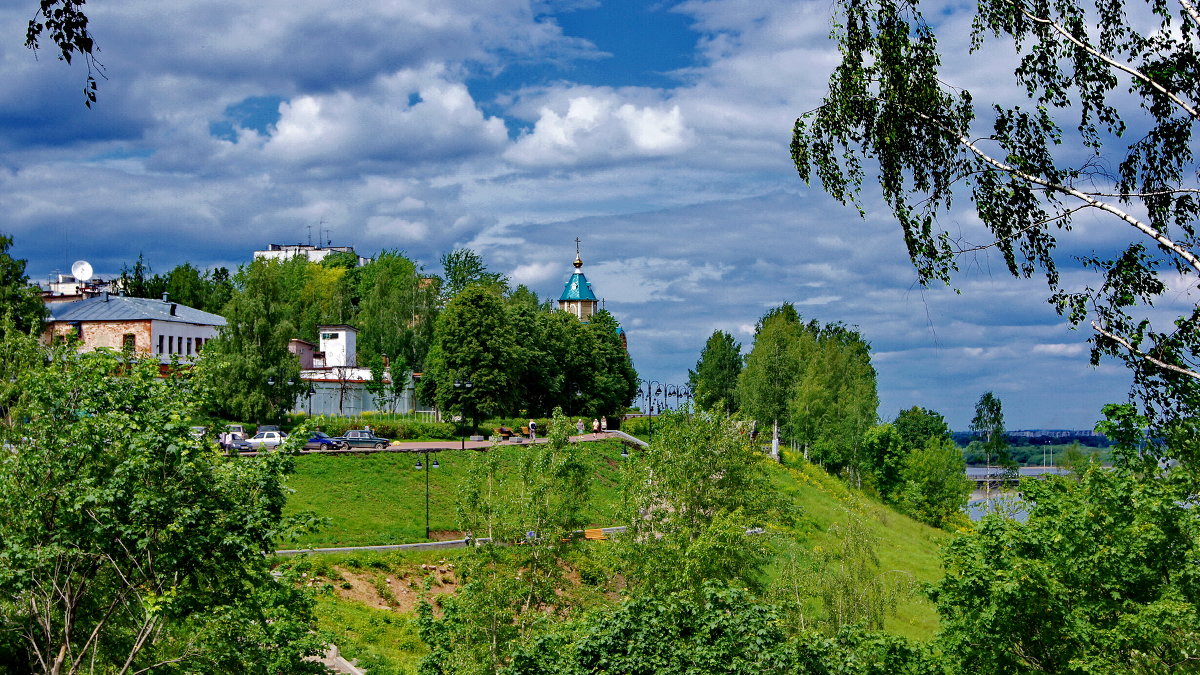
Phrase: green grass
(379, 498)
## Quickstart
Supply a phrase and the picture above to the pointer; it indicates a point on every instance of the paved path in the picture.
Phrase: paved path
(431, 446)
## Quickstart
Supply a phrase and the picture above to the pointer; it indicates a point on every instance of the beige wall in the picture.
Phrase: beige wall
(109, 334)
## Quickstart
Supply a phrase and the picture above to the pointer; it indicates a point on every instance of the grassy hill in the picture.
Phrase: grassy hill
(380, 499)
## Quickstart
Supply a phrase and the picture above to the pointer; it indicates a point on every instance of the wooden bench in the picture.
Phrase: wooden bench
(503, 432)
(525, 432)
(595, 533)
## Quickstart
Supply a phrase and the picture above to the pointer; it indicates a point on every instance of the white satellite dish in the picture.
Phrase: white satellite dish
(81, 270)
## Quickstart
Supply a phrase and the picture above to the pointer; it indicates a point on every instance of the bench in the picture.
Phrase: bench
(595, 533)
(503, 432)
(525, 431)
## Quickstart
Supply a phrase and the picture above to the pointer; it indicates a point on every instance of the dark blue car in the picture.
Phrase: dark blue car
(319, 440)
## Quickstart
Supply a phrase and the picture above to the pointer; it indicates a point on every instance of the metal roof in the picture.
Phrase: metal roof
(577, 288)
(106, 307)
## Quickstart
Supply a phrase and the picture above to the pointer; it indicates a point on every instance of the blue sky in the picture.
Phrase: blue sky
(657, 132)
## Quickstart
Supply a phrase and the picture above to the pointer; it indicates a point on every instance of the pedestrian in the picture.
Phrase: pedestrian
(595, 426)
(579, 425)
(604, 424)
(532, 430)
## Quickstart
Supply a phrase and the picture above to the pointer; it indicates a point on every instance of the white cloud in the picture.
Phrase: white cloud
(599, 128)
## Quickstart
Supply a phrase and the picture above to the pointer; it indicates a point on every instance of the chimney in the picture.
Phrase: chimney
(165, 298)
(173, 305)
(105, 296)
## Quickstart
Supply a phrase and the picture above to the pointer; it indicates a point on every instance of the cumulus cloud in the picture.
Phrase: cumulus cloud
(599, 128)
(407, 116)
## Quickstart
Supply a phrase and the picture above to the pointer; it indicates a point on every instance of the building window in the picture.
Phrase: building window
(171, 344)
(128, 342)
(329, 336)
(189, 346)
(160, 344)
(199, 344)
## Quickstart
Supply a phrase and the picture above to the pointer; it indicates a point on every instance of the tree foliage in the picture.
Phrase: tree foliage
(471, 368)
(17, 296)
(463, 267)
(1100, 577)
(513, 579)
(249, 360)
(988, 424)
(714, 381)
(128, 544)
(1107, 135)
(816, 381)
(693, 493)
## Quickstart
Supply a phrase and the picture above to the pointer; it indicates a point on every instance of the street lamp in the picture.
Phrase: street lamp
(311, 390)
(426, 466)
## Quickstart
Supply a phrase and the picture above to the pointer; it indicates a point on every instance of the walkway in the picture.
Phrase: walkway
(430, 446)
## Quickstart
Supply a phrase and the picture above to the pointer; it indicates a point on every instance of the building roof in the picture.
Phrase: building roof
(577, 288)
(105, 307)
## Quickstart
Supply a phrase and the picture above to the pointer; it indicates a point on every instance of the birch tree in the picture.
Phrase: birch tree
(1106, 137)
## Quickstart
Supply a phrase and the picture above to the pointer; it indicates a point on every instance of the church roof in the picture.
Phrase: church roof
(577, 288)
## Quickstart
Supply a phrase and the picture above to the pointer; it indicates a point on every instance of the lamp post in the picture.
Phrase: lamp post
(311, 390)
(426, 466)
(463, 385)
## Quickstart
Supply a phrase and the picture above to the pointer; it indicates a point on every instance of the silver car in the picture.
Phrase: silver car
(265, 440)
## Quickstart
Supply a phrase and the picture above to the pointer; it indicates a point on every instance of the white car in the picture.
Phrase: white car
(266, 439)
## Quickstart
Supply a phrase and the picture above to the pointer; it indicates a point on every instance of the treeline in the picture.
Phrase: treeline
(485, 349)
(813, 385)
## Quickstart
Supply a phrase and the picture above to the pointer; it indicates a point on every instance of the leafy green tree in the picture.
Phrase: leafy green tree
(988, 423)
(508, 588)
(884, 453)
(934, 487)
(139, 282)
(834, 402)
(1099, 578)
(1090, 74)
(463, 267)
(614, 382)
(714, 630)
(17, 296)
(249, 359)
(473, 344)
(917, 425)
(396, 312)
(692, 494)
(773, 365)
(128, 543)
(714, 381)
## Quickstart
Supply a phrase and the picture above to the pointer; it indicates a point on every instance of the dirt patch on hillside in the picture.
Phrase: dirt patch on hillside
(395, 590)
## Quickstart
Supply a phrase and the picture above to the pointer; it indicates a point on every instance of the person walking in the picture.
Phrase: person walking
(604, 424)
(579, 425)
(595, 426)
(532, 430)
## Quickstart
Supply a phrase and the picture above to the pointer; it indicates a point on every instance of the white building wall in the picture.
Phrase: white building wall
(173, 337)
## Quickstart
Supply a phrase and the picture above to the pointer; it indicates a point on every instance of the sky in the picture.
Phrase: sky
(655, 132)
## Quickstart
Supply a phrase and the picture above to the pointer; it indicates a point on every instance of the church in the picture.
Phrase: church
(577, 297)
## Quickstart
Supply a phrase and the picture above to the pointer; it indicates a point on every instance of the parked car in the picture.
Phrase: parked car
(237, 429)
(361, 438)
(319, 440)
(267, 427)
(265, 440)
(236, 443)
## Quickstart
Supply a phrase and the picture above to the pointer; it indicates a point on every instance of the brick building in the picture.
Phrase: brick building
(144, 325)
